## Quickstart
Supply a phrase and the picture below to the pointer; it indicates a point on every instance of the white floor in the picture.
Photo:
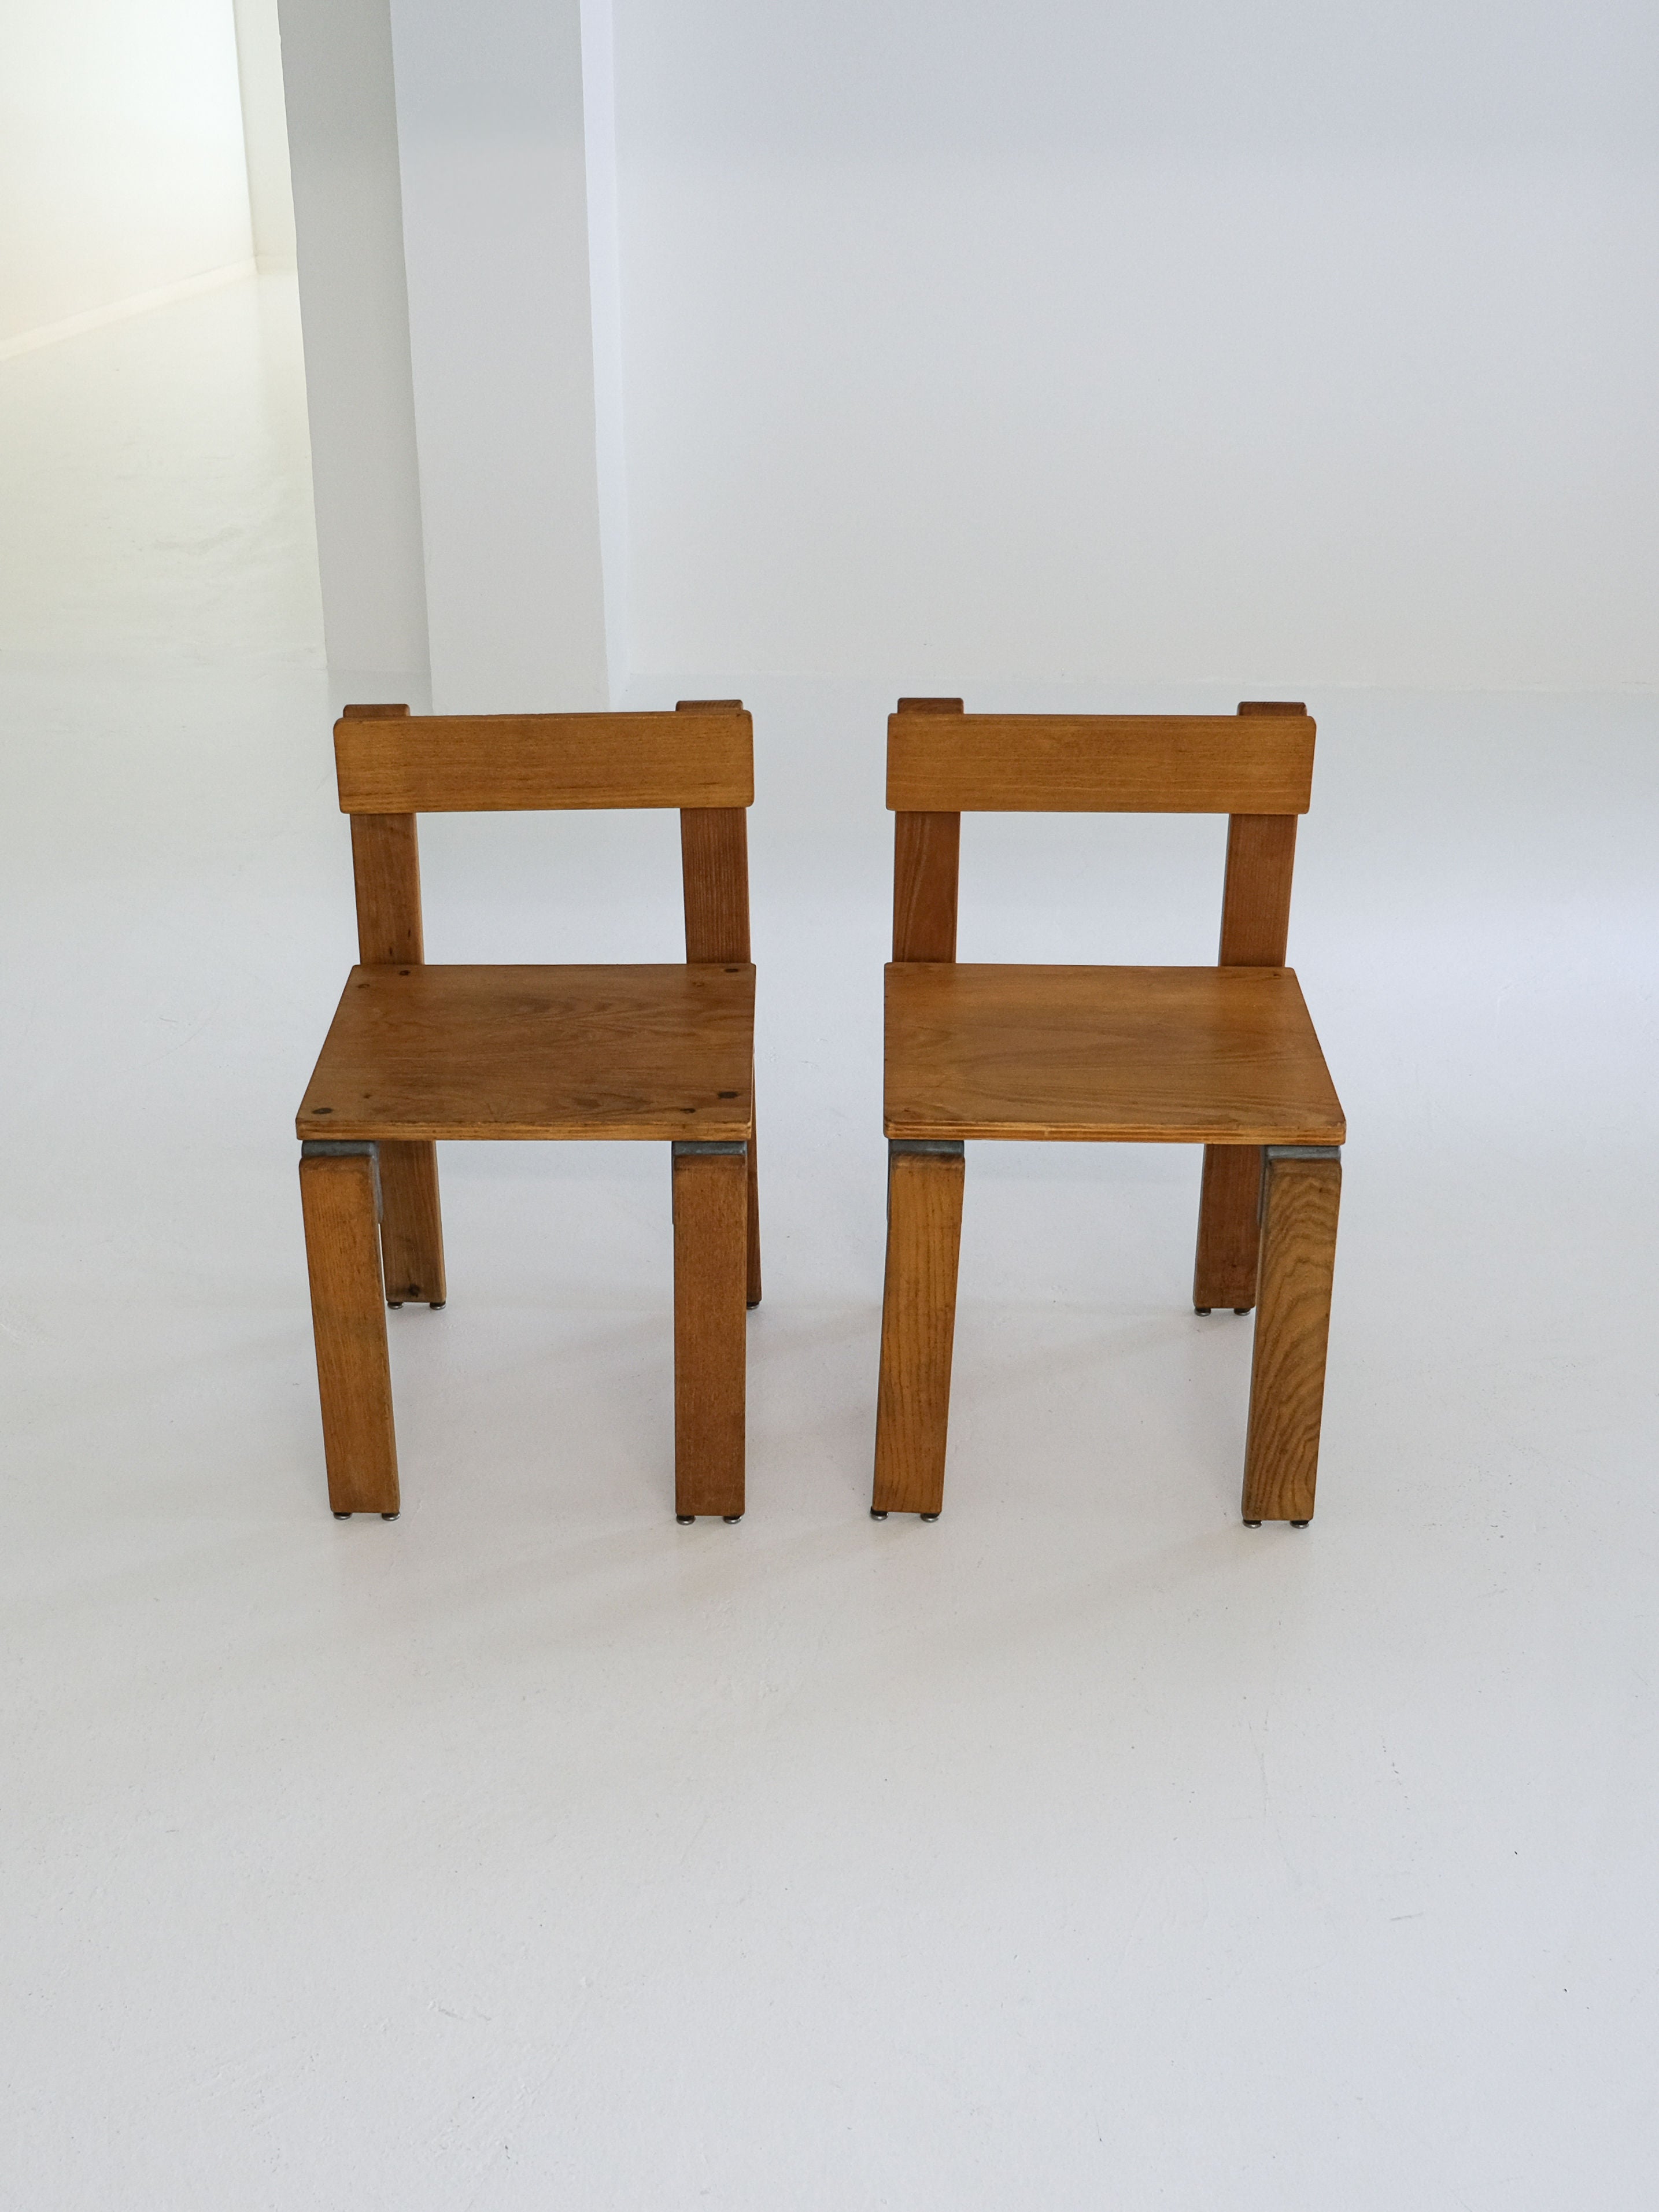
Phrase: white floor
(1085, 1850)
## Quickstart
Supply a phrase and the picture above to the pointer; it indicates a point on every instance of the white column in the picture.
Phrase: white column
(502, 337)
(342, 147)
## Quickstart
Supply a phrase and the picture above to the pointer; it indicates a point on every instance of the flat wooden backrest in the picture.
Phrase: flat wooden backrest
(394, 766)
(943, 762)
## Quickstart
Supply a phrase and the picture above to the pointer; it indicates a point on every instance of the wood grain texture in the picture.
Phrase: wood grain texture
(353, 1377)
(1300, 1200)
(753, 1293)
(710, 1350)
(1255, 891)
(1141, 1055)
(411, 1224)
(385, 870)
(1099, 764)
(1255, 921)
(715, 867)
(927, 855)
(918, 1330)
(1228, 1234)
(481, 763)
(926, 850)
(523, 1052)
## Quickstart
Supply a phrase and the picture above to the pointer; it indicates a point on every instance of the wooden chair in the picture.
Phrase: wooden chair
(1225, 1057)
(418, 1055)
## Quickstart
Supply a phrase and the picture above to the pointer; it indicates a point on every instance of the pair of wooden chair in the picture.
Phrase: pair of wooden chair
(1225, 1057)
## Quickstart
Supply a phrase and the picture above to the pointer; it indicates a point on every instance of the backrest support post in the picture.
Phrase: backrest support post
(385, 868)
(927, 868)
(1255, 896)
(714, 867)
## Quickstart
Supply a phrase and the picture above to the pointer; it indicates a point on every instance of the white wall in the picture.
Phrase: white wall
(1270, 345)
(1278, 344)
(121, 159)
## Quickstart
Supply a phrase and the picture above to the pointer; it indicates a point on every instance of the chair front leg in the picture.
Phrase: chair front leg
(918, 1327)
(339, 1198)
(411, 1224)
(1301, 1191)
(711, 1280)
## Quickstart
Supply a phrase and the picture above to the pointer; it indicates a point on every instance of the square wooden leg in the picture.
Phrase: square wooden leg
(754, 1291)
(412, 1225)
(1301, 1188)
(918, 1326)
(338, 1195)
(711, 1279)
(1229, 1209)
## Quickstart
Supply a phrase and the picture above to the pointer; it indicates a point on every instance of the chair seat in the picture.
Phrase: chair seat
(1142, 1056)
(589, 1052)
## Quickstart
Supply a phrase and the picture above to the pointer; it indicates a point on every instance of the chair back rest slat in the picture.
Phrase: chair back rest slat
(1099, 764)
(486, 763)
(394, 766)
(1256, 766)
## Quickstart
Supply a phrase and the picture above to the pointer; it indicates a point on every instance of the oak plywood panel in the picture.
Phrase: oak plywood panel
(1147, 1055)
(522, 1053)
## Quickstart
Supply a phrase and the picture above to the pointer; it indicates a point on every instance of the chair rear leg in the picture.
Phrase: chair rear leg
(754, 1289)
(338, 1195)
(411, 1224)
(1301, 1189)
(918, 1326)
(711, 1278)
(1229, 1208)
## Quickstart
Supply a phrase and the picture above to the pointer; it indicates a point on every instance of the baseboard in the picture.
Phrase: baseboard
(139, 304)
